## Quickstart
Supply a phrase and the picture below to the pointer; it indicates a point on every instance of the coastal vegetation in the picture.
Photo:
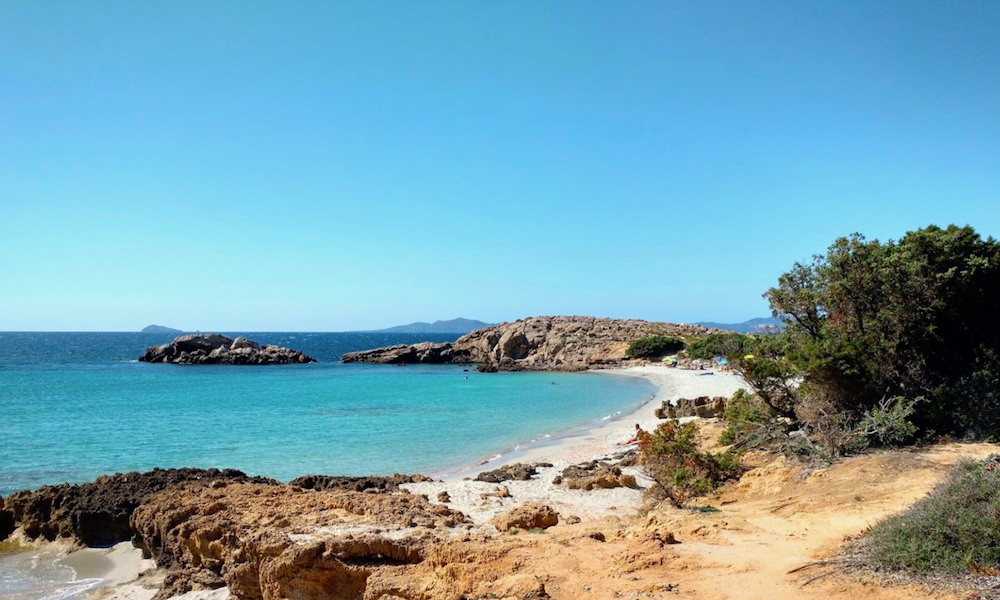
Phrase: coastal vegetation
(728, 344)
(681, 470)
(654, 346)
(885, 343)
(953, 530)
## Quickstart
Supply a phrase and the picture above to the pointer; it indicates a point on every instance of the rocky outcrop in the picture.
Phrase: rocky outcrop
(595, 475)
(6, 521)
(270, 542)
(424, 353)
(702, 406)
(535, 343)
(97, 513)
(515, 471)
(357, 484)
(215, 349)
(533, 515)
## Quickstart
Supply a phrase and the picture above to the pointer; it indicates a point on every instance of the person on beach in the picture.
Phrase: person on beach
(639, 437)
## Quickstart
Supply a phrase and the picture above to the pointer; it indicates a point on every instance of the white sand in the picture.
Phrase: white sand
(118, 568)
(481, 502)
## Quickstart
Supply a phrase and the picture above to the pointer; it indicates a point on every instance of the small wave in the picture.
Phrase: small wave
(55, 591)
(607, 417)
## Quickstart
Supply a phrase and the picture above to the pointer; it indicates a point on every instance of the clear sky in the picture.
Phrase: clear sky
(334, 166)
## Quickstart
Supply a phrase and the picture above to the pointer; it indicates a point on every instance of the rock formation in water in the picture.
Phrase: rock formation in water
(533, 344)
(215, 349)
(97, 513)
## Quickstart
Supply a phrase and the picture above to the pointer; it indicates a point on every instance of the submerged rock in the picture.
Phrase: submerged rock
(216, 349)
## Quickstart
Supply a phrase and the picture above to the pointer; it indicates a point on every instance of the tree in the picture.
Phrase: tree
(870, 321)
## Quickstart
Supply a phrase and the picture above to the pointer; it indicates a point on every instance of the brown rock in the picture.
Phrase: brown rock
(97, 513)
(518, 471)
(6, 521)
(702, 406)
(535, 343)
(215, 349)
(271, 542)
(357, 484)
(527, 516)
(595, 475)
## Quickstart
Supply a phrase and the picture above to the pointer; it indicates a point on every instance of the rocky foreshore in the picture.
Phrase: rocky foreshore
(317, 536)
(216, 349)
(532, 344)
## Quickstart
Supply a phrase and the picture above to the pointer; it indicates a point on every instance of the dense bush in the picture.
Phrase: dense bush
(869, 321)
(954, 529)
(679, 469)
(654, 346)
(730, 345)
(749, 422)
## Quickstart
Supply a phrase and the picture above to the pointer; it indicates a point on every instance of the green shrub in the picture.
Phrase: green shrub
(746, 418)
(654, 346)
(730, 345)
(680, 470)
(889, 422)
(954, 529)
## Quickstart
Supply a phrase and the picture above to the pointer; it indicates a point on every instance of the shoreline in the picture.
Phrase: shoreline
(120, 573)
(482, 501)
(600, 439)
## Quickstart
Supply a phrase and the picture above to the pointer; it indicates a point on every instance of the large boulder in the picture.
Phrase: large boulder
(595, 475)
(533, 515)
(518, 471)
(216, 349)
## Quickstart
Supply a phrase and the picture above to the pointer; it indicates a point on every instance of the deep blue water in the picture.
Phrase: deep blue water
(77, 405)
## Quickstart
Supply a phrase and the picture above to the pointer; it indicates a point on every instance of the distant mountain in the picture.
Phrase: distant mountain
(452, 326)
(160, 329)
(758, 325)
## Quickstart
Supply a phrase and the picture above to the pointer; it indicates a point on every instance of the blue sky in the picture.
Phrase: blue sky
(335, 166)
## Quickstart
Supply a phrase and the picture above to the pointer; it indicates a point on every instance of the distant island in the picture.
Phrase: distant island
(160, 329)
(451, 326)
(758, 325)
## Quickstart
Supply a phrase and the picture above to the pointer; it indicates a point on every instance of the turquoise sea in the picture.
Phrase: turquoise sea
(77, 405)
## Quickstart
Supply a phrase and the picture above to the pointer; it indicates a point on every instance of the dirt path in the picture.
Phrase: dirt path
(777, 519)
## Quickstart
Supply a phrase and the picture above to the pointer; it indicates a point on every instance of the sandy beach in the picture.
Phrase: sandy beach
(128, 577)
(483, 501)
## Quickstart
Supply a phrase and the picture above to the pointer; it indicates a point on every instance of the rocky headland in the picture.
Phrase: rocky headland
(216, 349)
(533, 344)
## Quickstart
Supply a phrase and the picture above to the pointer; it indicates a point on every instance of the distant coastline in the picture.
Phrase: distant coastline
(160, 329)
(459, 325)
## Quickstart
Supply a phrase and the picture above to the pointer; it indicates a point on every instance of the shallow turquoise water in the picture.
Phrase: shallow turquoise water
(84, 407)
